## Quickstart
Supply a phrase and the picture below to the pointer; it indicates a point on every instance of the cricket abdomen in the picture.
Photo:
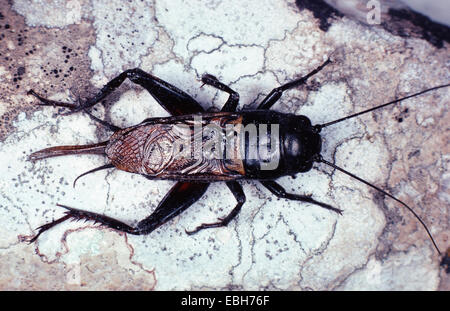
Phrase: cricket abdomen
(173, 148)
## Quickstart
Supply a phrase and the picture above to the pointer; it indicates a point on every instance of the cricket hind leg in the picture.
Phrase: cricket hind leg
(174, 100)
(45, 227)
(179, 198)
(48, 102)
(239, 195)
(233, 100)
(171, 98)
(76, 214)
(276, 93)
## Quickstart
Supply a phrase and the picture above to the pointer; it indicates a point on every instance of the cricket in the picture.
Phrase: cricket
(259, 144)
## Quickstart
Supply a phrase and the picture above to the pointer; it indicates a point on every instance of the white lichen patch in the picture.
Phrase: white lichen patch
(396, 273)
(231, 62)
(125, 31)
(51, 13)
(186, 20)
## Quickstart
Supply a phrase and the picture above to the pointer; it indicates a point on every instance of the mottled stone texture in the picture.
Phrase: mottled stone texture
(70, 49)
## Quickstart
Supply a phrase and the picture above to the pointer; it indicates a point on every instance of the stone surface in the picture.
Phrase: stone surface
(69, 49)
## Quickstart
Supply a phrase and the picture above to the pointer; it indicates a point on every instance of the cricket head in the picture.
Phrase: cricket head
(301, 145)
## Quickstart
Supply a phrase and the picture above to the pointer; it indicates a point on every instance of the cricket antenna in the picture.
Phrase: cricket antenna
(321, 126)
(321, 160)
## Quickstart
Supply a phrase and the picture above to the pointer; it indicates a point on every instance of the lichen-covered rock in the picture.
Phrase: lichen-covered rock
(69, 49)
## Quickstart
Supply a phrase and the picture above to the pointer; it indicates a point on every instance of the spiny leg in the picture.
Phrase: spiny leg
(174, 100)
(73, 213)
(239, 194)
(45, 227)
(276, 93)
(180, 197)
(233, 100)
(279, 191)
(73, 107)
(112, 127)
(171, 98)
(49, 102)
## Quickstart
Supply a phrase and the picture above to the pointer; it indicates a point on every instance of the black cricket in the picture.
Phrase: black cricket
(299, 147)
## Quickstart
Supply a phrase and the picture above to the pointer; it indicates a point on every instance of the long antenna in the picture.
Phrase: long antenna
(321, 160)
(321, 126)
